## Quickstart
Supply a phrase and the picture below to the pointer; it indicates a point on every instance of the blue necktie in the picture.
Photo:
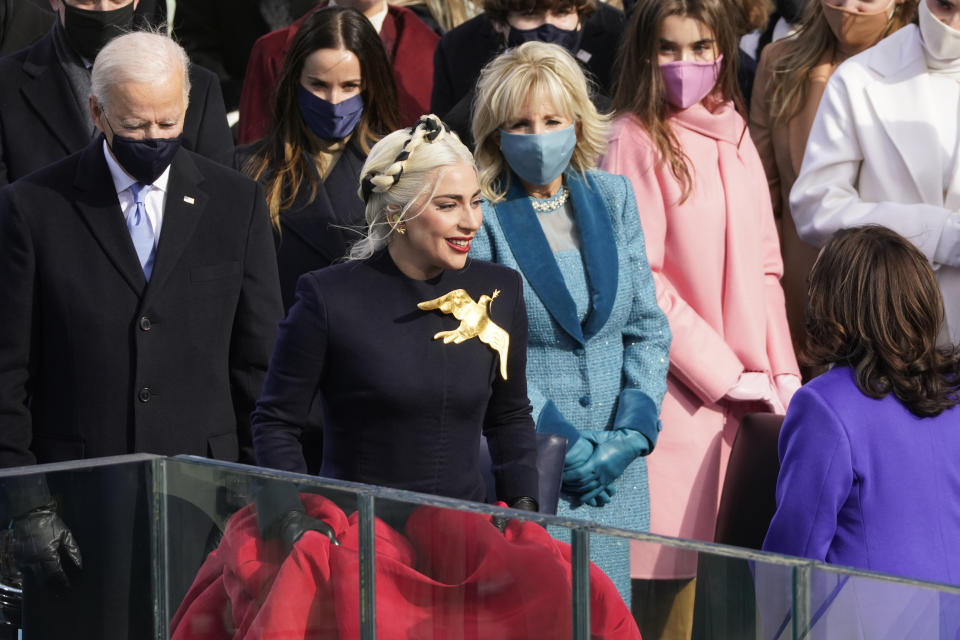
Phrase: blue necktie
(139, 227)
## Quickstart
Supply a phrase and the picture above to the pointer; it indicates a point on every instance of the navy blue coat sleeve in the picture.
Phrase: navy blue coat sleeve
(508, 425)
(292, 382)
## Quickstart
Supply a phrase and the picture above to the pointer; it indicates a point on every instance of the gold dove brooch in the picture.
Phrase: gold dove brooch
(474, 320)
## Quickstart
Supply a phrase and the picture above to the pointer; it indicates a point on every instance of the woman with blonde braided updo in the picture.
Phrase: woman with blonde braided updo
(401, 406)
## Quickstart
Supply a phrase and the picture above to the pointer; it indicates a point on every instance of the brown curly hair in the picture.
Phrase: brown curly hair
(875, 306)
(497, 10)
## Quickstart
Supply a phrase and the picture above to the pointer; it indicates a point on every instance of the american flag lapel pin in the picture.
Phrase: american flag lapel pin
(189, 199)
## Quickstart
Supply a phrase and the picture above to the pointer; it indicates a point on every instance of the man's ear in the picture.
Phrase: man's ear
(96, 112)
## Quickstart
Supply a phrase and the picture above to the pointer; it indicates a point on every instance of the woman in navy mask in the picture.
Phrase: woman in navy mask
(336, 97)
(598, 345)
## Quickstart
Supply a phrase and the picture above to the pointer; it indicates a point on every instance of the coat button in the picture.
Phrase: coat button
(578, 351)
(144, 394)
(145, 323)
(584, 401)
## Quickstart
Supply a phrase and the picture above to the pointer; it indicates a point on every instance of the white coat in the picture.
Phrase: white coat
(874, 157)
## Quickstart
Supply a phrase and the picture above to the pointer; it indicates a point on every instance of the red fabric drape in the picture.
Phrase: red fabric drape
(451, 576)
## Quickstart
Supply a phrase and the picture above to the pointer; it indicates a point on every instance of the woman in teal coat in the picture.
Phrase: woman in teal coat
(598, 349)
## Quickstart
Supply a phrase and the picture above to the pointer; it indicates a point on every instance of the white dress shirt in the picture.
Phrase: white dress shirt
(155, 200)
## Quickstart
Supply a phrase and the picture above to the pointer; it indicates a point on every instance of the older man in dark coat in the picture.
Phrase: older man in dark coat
(140, 305)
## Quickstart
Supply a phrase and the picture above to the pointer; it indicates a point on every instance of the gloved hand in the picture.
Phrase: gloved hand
(296, 523)
(577, 476)
(40, 540)
(614, 451)
(787, 384)
(755, 386)
(523, 503)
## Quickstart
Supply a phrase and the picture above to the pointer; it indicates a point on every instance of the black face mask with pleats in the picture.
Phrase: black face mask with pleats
(89, 31)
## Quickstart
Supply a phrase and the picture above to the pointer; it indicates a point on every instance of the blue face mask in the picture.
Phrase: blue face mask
(566, 38)
(330, 121)
(539, 158)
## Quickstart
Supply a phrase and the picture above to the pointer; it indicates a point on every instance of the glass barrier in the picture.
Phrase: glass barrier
(192, 549)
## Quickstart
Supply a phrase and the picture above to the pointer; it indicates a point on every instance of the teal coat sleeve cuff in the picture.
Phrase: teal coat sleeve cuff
(637, 411)
(552, 421)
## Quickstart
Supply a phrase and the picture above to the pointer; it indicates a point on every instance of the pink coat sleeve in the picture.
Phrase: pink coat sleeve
(699, 356)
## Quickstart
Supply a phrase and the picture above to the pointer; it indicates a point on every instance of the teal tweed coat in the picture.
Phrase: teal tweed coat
(598, 349)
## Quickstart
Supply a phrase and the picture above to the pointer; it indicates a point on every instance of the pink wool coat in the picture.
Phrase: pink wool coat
(716, 264)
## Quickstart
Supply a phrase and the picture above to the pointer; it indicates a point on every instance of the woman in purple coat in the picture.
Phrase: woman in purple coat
(869, 475)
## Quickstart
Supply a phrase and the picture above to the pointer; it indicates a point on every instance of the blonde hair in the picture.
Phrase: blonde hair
(802, 51)
(400, 169)
(533, 71)
(447, 13)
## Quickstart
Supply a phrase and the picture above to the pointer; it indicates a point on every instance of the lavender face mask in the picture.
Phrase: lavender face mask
(688, 82)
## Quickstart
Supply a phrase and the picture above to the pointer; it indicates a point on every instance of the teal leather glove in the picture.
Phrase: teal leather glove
(613, 452)
(579, 478)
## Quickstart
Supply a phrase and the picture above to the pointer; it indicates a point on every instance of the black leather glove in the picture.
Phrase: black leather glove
(40, 540)
(296, 523)
(523, 503)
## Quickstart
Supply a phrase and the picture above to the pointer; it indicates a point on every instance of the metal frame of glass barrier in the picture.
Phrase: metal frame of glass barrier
(170, 478)
(799, 620)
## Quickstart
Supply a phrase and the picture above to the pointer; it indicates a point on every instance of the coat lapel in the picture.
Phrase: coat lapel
(598, 247)
(98, 205)
(896, 109)
(336, 202)
(185, 204)
(49, 94)
(533, 255)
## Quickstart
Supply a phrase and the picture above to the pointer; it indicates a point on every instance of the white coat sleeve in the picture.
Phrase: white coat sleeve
(826, 196)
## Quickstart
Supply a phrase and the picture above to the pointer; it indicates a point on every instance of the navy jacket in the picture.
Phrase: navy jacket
(400, 409)
(316, 234)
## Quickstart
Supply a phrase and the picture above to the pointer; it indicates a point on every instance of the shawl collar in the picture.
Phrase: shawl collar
(723, 123)
(535, 259)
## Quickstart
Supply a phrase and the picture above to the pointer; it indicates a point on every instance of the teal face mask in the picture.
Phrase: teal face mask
(539, 158)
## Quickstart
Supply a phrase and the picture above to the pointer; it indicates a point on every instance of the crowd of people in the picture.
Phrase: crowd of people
(626, 224)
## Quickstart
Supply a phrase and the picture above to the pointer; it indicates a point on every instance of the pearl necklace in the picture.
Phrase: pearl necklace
(550, 204)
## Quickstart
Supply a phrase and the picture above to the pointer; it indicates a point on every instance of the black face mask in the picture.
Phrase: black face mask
(145, 159)
(89, 31)
(569, 39)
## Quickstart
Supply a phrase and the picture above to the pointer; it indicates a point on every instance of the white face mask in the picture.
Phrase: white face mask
(941, 43)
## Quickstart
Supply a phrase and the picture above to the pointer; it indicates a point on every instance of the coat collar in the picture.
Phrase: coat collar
(336, 200)
(100, 209)
(535, 258)
(897, 59)
(186, 202)
(48, 93)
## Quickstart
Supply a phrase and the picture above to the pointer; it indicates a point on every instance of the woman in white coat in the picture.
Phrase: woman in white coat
(885, 145)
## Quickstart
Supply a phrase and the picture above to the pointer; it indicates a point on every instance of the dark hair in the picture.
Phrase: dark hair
(497, 10)
(640, 89)
(284, 152)
(875, 306)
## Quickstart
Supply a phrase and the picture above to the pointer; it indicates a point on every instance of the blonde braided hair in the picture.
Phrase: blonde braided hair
(397, 172)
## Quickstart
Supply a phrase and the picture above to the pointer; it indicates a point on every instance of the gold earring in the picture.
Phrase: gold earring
(398, 226)
(401, 228)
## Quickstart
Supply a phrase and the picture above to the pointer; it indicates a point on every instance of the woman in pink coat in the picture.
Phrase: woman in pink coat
(712, 245)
